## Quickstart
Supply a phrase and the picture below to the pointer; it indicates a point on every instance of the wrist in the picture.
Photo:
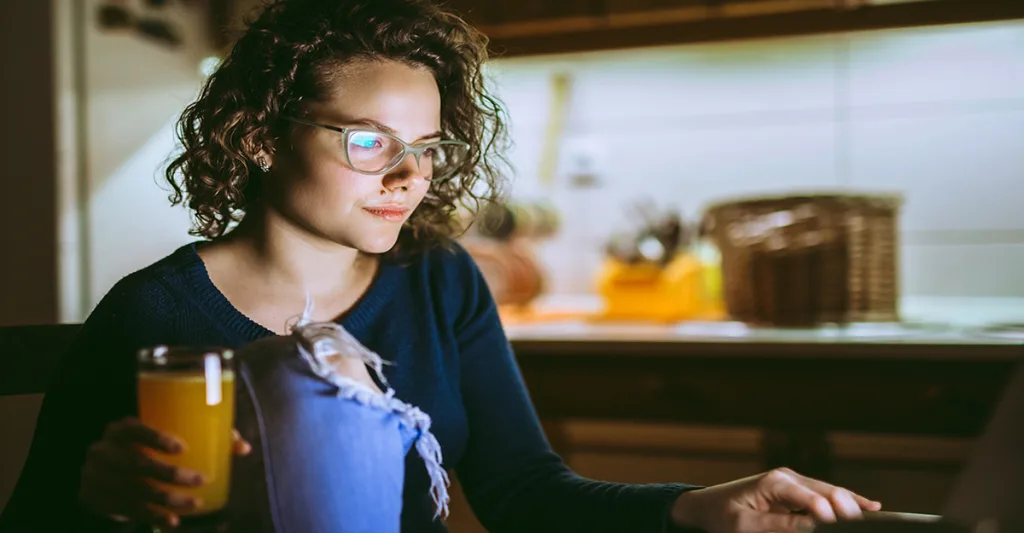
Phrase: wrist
(686, 511)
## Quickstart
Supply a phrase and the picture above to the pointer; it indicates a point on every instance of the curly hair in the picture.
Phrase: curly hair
(288, 54)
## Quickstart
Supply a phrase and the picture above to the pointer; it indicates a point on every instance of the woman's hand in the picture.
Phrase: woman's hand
(117, 479)
(780, 501)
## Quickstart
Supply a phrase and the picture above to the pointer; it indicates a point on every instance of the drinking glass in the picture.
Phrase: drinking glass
(189, 393)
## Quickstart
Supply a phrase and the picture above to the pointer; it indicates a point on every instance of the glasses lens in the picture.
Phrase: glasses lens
(371, 151)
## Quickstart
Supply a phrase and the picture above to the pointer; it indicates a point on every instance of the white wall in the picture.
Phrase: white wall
(935, 113)
(136, 88)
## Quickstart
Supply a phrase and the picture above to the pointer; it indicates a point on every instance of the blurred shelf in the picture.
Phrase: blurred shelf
(535, 27)
(677, 22)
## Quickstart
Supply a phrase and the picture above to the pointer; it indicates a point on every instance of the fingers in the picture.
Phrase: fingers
(148, 467)
(139, 512)
(132, 432)
(123, 477)
(128, 471)
(842, 503)
(775, 522)
(168, 499)
(863, 503)
(785, 489)
(848, 503)
(131, 463)
(159, 516)
(134, 499)
(239, 445)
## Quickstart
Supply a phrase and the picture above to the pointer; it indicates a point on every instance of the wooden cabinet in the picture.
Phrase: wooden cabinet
(476, 12)
(893, 421)
(493, 13)
(527, 27)
(905, 472)
(531, 10)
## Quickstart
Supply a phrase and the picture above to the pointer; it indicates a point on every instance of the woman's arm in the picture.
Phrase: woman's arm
(512, 478)
(93, 385)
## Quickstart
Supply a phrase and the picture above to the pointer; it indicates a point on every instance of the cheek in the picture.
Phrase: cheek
(318, 180)
(337, 190)
(418, 193)
(347, 188)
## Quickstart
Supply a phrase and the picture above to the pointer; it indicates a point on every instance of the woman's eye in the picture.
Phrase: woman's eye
(365, 141)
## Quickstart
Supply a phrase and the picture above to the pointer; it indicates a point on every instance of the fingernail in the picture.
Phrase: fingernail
(174, 446)
(197, 479)
(805, 526)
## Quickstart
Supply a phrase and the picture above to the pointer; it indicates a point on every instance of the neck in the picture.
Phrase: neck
(289, 255)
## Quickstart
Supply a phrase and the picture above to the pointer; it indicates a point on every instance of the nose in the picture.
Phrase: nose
(405, 174)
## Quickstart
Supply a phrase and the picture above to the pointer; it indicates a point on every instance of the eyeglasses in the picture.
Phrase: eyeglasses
(374, 152)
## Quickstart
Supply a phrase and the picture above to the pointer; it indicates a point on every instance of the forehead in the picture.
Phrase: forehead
(401, 96)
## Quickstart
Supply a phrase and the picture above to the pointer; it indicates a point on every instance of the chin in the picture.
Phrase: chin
(376, 244)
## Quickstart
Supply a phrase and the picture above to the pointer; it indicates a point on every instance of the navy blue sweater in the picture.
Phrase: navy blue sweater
(432, 316)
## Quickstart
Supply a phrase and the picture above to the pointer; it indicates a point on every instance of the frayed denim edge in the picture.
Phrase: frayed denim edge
(317, 340)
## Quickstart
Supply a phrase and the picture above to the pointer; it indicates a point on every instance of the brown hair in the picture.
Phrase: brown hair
(286, 55)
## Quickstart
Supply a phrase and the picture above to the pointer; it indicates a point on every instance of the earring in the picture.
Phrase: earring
(262, 163)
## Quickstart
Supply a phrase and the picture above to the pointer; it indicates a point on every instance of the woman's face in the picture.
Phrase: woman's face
(312, 185)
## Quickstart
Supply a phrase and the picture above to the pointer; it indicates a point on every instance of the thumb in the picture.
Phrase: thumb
(765, 521)
(239, 445)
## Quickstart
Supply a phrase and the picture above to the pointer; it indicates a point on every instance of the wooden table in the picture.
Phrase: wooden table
(796, 385)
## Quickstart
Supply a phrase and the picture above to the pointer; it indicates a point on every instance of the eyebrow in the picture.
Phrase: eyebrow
(389, 130)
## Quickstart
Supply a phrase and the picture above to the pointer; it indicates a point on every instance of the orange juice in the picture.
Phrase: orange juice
(181, 404)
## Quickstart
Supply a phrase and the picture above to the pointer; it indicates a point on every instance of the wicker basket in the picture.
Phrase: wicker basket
(800, 261)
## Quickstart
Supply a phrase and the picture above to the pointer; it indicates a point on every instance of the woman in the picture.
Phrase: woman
(313, 164)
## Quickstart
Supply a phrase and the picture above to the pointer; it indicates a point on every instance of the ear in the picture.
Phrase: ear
(264, 157)
(259, 152)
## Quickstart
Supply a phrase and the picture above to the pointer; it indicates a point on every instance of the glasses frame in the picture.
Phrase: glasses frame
(407, 149)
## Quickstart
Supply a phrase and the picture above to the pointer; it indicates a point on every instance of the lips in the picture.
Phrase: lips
(394, 213)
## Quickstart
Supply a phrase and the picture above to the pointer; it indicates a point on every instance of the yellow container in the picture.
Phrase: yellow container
(189, 393)
(176, 404)
(651, 292)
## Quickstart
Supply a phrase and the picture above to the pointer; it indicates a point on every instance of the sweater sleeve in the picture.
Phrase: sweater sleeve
(512, 478)
(93, 385)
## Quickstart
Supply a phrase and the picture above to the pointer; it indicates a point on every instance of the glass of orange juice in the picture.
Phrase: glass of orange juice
(189, 393)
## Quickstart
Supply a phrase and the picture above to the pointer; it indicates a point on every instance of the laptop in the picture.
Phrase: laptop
(991, 485)
(988, 495)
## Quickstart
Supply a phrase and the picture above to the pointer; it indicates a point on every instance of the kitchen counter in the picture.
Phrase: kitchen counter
(867, 340)
(798, 386)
